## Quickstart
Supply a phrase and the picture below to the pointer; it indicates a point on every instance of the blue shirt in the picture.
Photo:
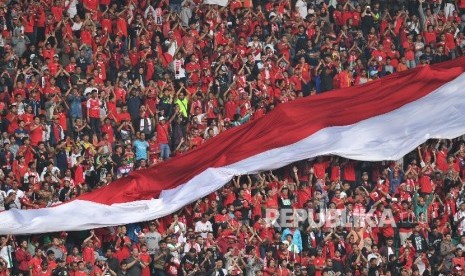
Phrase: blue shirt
(75, 107)
(21, 133)
(140, 149)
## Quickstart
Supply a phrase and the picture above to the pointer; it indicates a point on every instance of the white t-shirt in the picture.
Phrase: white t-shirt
(461, 226)
(225, 272)
(34, 174)
(74, 158)
(203, 228)
(55, 171)
(390, 251)
(2, 200)
(5, 254)
(72, 8)
(178, 67)
(76, 26)
(173, 248)
(257, 49)
(179, 228)
(301, 7)
(173, 46)
(293, 248)
(17, 202)
(152, 238)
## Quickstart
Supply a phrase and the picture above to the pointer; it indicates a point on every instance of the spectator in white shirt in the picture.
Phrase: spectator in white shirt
(301, 7)
(203, 226)
(31, 172)
(54, 171)
(191, 244)
(459, 219)
(2, 200)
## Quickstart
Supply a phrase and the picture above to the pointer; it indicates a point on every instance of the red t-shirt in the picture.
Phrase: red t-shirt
(120, 94)
(20, 91)
(93, 105)
(124, 116)
(37, 135)
(86, 37)
(62, 120)
(108, 128)
(47, 272)
(163, 133)
(35, 263)
(319, 169)
(409, 53)
(27, 118)
(303, 195)
(88, 255)
(319, 261)
(349, 172)
(122, 27)
(429, 37)
(90, 4)
(230, 108)
(145, 257)
(272, 201)
(425, 184)
(51, 90)
(71, 259)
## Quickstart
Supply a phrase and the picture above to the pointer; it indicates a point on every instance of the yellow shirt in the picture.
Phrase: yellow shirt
(183, 106)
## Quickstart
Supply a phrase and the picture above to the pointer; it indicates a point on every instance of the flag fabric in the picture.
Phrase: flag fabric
(381, 120)
(222, 3)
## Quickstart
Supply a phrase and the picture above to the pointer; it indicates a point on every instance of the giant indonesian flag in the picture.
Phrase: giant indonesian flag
(380, 120)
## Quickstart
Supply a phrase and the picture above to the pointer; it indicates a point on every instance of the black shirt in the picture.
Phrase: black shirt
(418, 242)
(60, 271)
(440, 58)
(435, 240)
(301, 42)
(367, 22)
(136, 269)
(42, 159)
(327, 76)
(189, 263)
(117, 159)
(122, 273)
(113, 264)
(245, 207)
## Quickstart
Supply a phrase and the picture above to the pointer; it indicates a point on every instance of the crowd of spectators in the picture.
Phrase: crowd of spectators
(91, 90)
